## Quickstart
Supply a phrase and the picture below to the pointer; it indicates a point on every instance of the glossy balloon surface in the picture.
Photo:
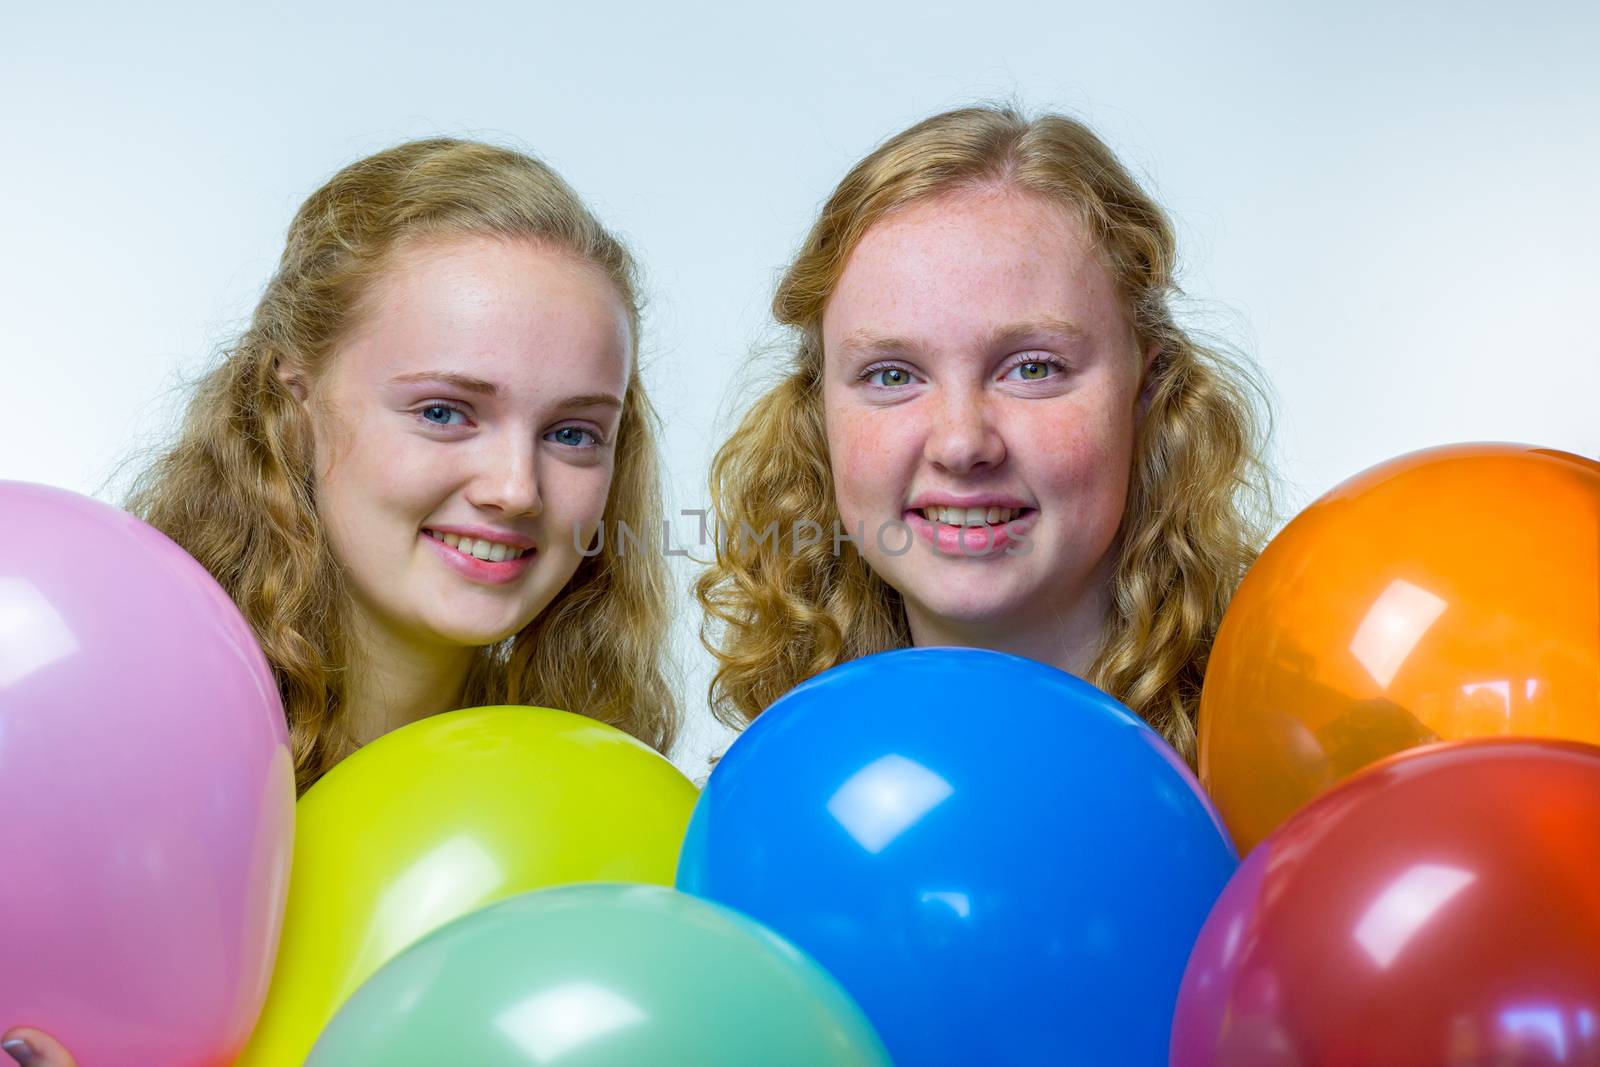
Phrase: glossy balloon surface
(146, 791)
(1446, 594)
(1440, 909)
(601, 976)
(442, 817)
(1000, 863)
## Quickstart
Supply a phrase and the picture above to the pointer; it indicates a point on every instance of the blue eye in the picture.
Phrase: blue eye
(440, 414)
(574, 437)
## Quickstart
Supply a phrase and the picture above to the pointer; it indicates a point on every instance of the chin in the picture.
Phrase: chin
(476, 635)
(976, 609)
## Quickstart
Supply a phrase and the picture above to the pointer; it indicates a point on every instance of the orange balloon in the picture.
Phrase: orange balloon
(1446, 594)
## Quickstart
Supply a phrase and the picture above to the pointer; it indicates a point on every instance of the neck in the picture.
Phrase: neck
(391, 682)
(1068, 639)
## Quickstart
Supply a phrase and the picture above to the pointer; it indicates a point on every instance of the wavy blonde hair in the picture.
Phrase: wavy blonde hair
(1199, 502)
(237, 489)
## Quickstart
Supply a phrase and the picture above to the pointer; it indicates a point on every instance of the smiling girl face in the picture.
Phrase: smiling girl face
(981, 387)
(465, 436)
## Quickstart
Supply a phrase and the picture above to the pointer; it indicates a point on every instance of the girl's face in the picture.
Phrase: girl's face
(981, 387)
(465, 436)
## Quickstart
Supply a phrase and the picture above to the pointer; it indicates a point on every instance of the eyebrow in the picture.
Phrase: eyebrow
(464, 382)
(1046, 327)
(467, 383)
(592, 400)
(865, 341)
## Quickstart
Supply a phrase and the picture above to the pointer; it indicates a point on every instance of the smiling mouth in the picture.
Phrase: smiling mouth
(944, 516)
(487, 551)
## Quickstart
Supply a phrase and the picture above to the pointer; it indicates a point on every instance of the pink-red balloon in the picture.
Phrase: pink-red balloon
(1440, 909)
(146, 791)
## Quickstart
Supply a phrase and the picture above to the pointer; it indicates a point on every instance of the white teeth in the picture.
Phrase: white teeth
(489, 551)
(969, 516)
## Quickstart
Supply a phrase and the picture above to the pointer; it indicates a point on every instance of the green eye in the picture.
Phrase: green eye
(892, 376)
(1032, 372)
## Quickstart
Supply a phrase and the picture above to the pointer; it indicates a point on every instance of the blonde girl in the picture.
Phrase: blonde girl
(401, 470)
(1004, 435)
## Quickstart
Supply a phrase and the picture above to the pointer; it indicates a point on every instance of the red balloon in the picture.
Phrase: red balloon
(1440, 909)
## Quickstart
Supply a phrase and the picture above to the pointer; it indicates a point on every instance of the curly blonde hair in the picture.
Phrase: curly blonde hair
(237, 489)
(1199, 502)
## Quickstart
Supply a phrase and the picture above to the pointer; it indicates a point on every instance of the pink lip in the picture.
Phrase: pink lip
(970, 542)
(486, 533)
(478, 570)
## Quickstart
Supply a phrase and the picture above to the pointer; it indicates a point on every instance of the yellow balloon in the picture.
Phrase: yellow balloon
(443, 817)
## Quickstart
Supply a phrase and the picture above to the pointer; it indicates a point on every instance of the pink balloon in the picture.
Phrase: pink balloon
(146, 791)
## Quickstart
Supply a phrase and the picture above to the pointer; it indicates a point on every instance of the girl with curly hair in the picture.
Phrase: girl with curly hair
(400, 471)
(990, 432)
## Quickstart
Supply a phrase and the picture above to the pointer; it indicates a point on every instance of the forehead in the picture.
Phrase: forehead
(513, 312)
(964, 264)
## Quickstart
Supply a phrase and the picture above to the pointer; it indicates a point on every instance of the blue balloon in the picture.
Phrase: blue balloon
(998, 861)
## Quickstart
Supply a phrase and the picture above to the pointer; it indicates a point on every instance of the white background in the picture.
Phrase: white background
(1389, 207)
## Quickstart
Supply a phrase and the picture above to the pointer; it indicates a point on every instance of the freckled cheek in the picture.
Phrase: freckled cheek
(1086, 465)
(868, 454)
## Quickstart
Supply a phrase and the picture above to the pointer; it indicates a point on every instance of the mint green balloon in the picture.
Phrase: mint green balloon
(600, 976)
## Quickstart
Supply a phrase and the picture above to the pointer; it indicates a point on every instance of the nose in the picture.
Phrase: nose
(507, 478)
(964, 435)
